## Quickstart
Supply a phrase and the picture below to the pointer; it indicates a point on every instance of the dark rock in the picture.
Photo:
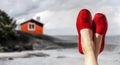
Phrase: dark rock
(60, 57)
(27, 41)
(10, 58)
(40, 54)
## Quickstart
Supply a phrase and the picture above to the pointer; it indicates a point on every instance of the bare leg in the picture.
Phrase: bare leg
(100, 25)
(88, 47)
(97, 41)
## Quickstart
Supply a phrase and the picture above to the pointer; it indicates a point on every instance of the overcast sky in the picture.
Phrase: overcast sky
(59, 16)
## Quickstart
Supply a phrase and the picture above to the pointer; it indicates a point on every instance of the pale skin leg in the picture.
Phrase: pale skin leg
(97, 41)
(88, 47)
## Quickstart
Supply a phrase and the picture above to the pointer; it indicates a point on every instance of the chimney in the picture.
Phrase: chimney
(38, 18)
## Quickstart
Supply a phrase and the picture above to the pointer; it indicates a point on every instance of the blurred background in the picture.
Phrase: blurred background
(57, 42)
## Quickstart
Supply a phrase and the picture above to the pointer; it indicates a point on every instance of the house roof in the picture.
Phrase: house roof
(33, 21)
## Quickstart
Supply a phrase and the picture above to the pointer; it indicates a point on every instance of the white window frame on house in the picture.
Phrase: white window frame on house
(31, 26)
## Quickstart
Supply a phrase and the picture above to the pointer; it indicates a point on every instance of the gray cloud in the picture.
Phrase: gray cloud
(59, 16)
(21, 7)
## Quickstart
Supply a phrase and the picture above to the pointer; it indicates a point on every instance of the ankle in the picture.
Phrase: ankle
(89, 47)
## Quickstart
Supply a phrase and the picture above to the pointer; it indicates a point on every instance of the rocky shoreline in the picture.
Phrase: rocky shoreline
(27, 41)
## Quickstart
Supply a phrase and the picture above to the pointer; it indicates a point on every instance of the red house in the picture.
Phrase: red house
(32, 26)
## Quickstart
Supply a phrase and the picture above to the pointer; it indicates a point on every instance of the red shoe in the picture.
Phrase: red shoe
(84, 20)
(100, 26)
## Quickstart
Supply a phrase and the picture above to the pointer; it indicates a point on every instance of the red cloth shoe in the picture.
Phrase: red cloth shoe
(100, 26)
(84, 20)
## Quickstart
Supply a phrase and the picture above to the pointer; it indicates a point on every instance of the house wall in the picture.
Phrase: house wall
(38, 28)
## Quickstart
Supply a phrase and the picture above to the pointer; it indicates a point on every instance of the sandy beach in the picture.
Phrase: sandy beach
(57, 57)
